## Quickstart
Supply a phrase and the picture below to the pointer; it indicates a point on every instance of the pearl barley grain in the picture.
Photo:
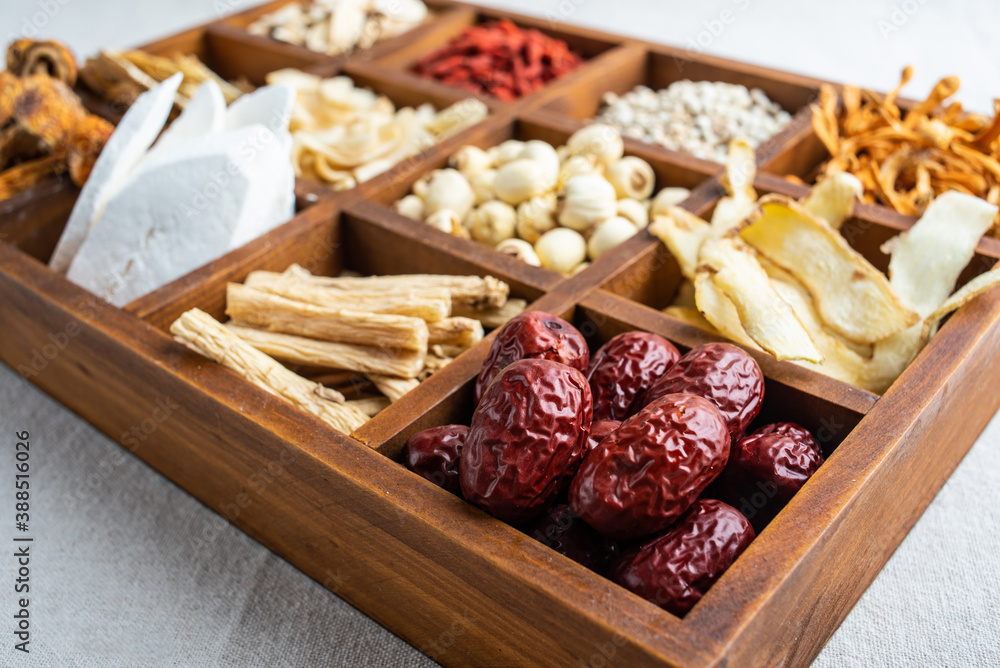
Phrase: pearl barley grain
(699, 118)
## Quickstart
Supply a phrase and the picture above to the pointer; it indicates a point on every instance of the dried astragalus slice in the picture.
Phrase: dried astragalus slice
(203, 334)
(247, 306)
(328, 354)
(430, 304)
(471, 291)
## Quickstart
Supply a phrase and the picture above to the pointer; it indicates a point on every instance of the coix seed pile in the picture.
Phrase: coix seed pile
(699, 118)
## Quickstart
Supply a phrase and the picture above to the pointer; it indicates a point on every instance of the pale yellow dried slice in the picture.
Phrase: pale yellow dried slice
(833, 198)
(852, 297)
(691, 316)
(765, 316)
(928, 258)
(741, 169)
(719, 311)
(683, 234)
(963, 296)
(203, 334)
(839, 360)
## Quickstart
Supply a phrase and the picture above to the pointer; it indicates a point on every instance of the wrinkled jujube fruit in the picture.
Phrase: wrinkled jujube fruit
(562, 530)
(434, 454)
(624, 368)
(676, 569)
(598, 430)
(533, 335)
(796, 431)
(527, 438)
(722, 373)
(767, 468)
(643, 476)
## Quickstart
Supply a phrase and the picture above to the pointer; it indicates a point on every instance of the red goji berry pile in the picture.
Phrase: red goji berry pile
(499, 59)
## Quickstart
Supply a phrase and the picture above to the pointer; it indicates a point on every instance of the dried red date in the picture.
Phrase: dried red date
(796, 431)
(527, 438)
(434, 454)
(533, 335)
(624, 368)
(643, 476)
(722, 373)
(567, 534)
(767, 468)
(598, 430)
(676, 569)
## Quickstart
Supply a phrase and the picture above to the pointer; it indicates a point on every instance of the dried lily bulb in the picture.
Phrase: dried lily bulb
(343, 134)
(334, 27)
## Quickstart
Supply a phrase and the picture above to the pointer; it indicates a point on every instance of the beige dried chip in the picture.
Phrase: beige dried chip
(928, 258)
(741, 169)
(764, 315)
(719, 311)
(967, 293)
(683, 234)
(833, 198)
(691, 316)
(852, 297)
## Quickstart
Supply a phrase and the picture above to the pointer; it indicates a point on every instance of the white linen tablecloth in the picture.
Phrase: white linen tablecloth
(129, 570)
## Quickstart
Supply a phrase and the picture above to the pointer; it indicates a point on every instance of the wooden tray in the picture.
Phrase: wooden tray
(458, 585)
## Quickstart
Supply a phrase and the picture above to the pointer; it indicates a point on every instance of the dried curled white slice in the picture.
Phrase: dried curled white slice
(967, 293)
(683, 233)
(691, 316)
(839, 360)
(833, 198)
(203, 334)
(741, 169)
(928, 258)
(719, 310)
(330, 355)
(853, 298)
(247, 306)
(765, 316)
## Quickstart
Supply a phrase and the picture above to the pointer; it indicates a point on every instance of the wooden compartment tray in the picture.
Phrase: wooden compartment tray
(460, 586)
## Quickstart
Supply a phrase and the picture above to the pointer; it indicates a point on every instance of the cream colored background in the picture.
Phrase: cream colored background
(129, 570)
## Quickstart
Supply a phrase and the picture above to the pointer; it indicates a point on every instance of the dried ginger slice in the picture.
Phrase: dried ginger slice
(764, 315)
(853, 298)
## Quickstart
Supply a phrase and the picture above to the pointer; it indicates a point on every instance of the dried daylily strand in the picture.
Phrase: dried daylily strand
(906, 158)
